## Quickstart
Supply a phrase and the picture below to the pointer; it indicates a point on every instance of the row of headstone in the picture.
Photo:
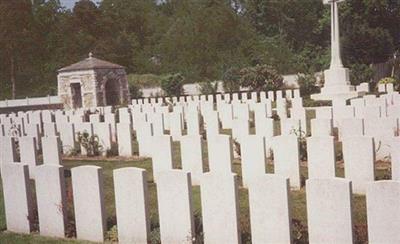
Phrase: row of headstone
(227, 97)
(329, 206)
(358, 153)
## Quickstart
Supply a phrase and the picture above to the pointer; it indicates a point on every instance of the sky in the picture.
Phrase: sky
(68, 3)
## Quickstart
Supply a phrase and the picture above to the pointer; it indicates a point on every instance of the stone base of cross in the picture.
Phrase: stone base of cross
(337, 86)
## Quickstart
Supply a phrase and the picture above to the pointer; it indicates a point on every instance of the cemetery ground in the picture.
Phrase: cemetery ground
(298, 208)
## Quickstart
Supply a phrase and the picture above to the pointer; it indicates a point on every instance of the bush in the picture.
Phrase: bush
(261, 78)
(172, 84)
(389, 80)
(90, 143)
(135, 91)
(144, 80)
(360, 73)
(231, 80)
(208, 87)
(307, 84)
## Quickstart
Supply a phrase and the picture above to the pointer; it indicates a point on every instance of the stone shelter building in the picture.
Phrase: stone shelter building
(91, 83)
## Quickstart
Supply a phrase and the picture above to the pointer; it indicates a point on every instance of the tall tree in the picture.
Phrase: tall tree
(15, 32)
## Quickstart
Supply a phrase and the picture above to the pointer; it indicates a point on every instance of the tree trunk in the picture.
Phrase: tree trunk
(12, 77)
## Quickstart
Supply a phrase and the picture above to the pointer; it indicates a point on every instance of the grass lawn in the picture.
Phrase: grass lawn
(298, 205)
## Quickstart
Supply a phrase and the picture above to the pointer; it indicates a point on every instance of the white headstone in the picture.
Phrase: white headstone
(321, 127)
(17, 197)
(132, 205)
(124, 135)
(162, 156)
(8, 153)
(103, 132)
(51, 200)
(28, 153)
(359, 161)
(176, 125)
(287, 159)
(90, 220)
(270, 224)
(351, 127)
(193, 122)
(253, 153)
(192, 157)
(395, 158)
(220, 154)
(240, 129)
(219, 204)
(50, 129)
(51, 150)
(174, 195)
(329, 212)
(383, 211)
(67, 137)
(321, 158)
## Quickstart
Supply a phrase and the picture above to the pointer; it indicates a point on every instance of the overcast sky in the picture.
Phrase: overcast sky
(71, 3)
(68, 3)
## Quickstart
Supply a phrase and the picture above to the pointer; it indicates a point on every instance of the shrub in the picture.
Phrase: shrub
(360, 73)
(172, 84)
(208, 87)
(389, 80)
(261, 78)
(135, 91)
(231, 80)
(307, 84)
(301, 135)
(90, 143)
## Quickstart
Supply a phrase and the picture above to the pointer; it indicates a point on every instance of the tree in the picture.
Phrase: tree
(205, 38)
(15, 30)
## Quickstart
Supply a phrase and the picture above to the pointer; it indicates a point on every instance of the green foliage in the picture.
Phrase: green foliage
(208, 87)
(112, 234)
(360, 73)
(172, 84)
(308, 84)
(231, 80)
(134, 90)
(261, 78)
(144, 80)
(390, 80)
(202, 40)
(90, 143)
(302, 137)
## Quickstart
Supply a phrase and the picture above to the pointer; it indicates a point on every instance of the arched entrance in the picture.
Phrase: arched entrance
(112, 92)
(76, 94)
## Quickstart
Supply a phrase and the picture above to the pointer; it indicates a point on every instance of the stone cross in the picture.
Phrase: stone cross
(336, 60)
